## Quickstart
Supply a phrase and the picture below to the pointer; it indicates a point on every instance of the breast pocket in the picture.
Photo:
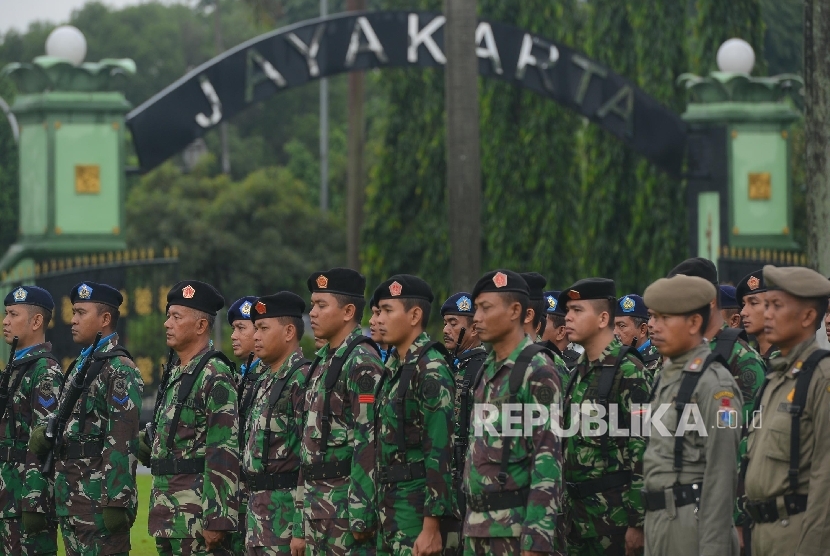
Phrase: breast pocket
(779, 434)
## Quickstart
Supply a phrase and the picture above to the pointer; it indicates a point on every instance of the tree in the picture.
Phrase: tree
(717, 21)
(9, 192)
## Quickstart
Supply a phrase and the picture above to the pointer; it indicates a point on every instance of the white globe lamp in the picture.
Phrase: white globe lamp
(736, 56)
(67, 42)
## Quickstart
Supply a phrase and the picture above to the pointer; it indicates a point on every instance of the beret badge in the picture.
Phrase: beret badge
(260, 307)
(500, 279)
(463, 303)
(322, 282)
(627, 304)
(84, 291)
(551, 302)
(188, 292)
(20, 294)
(573, 294)
(245, 309)
(395, 289)
(753, 283)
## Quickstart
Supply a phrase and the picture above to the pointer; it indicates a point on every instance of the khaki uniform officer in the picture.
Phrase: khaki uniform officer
(690, 475)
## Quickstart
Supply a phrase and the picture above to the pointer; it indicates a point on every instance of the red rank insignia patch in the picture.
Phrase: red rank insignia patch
(188, 292)
(366, 398)
(395, 289)
(322, 282)
(500, 279)
(260, 307)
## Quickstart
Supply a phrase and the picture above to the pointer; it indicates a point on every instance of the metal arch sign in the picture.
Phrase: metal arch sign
(294, 55)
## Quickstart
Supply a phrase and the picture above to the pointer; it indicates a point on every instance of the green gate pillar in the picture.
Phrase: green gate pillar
(72, 178)
(740, 194)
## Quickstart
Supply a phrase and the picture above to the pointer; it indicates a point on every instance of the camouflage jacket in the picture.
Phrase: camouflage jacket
(462, 362)
(22, 486)
(653, 361)
(428, 432)
(109, 415)
(183, 505)
(606, 513)
(246, 385)
(559, 363)
(535, 460)
(351, 437)
(749, 371)
(273, 446)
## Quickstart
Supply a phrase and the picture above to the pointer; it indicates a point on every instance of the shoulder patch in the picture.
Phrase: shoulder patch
(724, 394)
(366, 384)
(544, 394)
(639, 392)
(46, 397)
(431, 387)
(219, 394)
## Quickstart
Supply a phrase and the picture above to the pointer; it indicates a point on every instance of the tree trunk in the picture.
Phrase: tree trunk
(223, 126)
(355, 191)
(817, 130)
(463, 154)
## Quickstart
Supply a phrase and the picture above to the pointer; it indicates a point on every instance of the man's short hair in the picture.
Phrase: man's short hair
(358, 302)
(517, 297)
(540, 320)
(557, 320)
(822, 308)
(704, 312)
(38, 310)
(426, 307)
(211, 319)
(639, 321)
(298, 323)
(606, 305)
(115, 314)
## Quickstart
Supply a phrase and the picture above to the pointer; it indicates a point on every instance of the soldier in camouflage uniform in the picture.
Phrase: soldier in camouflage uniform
(555, 337)
(338, 447)
(749, 294)
(95, 491)
(271, 458)
(461, 340)
(373, 330)
(415, 424)
(603, 472)
(513, 484)
(195, 450)
(32, 385)
(631, 327)
(730, 309)
(242, 343)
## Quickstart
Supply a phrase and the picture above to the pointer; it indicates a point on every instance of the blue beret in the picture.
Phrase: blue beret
(31, 295)
(460, 303)
(241, 309)
(94, 292)
(632, 305)
(552, 305)
(727, 298)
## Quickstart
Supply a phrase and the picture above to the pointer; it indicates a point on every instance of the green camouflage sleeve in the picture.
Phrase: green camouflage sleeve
(363, 379)
(543, 517)
(437, 407)
(124, 391)
(298, 390)
(43, 388)
(635, 388)
(221, 481)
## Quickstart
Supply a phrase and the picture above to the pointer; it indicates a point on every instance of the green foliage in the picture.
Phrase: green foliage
(719, 20)
(784, 35)
(8, 175)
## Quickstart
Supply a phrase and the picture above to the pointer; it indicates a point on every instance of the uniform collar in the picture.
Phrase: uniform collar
(645, 346)
(243, 368)
(87, 350)
(791, 364)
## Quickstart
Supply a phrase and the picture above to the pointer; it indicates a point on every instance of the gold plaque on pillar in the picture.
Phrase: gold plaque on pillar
(760, 186)
(88, 179)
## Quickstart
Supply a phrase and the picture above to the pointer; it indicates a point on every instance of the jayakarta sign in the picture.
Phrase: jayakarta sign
(294, 55)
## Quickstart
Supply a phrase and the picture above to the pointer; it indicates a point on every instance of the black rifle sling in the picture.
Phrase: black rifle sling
(247, 396)
(725, 342)
(474, 364)
(802, 386)
(186, 386)
(607, 378)
(407, 372)
(273, 399)
(688, 383)
(331, 378)
(99, 359)
(515, 381)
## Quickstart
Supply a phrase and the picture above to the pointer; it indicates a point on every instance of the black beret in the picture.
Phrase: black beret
(697, 266)
(552, 303)
(535, 284)
(241, 309)
(460, 303)
(726, 297)
(402, 286)
(281, 304)
(632, 305)
(752, 283)
(501, 281)
(31, 295)
(196, 295)
(589, 288)
(96, 293)
(343, 281)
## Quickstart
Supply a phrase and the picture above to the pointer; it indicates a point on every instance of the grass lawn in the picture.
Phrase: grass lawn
(142, 543)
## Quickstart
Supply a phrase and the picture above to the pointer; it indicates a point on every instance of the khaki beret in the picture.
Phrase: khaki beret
(679, 294)
(797, 281)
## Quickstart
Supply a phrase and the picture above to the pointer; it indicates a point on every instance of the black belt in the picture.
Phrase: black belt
(274, 481)
(10, 454)
(81, 450)
(177, 466)
(605, 483)
(322, 471)
(683, 496)
(767, 511)
(401, 472)
(491, 501)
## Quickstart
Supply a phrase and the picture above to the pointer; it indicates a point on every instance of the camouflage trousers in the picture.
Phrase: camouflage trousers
(238, 537)
(14, 541)
(613, 545)
(486, 546)
(325, 537)
(86, 535)
(268, 550)
(189, 547)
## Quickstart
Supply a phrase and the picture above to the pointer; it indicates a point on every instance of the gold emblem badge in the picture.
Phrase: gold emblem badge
(322, 282)
(753, 283)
